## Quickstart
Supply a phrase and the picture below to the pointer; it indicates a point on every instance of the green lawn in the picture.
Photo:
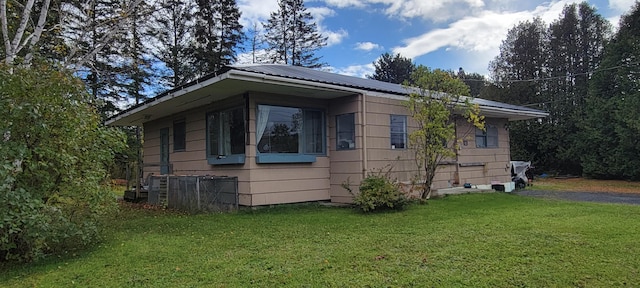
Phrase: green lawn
(476, 240)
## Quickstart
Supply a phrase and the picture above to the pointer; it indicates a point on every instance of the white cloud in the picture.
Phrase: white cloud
(367, 46)
(319, 14)
(258, 11)
(441, 10)
(621, 6)
(480, 34)
(355, 70)
(334, 37)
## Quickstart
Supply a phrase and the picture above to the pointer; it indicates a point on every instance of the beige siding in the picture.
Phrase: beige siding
(285, 183)
(265, 184)
(492, 161)
(495, 161)
(346, 165)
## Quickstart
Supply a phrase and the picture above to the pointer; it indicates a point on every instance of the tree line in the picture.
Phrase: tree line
(577, 69)
(126, 51)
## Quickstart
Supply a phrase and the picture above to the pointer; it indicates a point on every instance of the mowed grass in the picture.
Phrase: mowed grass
(474, 240)
(586, 185)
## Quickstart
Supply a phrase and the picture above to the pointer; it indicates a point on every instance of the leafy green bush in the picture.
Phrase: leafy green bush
(53, 157)
(379, 192)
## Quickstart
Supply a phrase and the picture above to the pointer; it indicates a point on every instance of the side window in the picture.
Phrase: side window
(226, 136)
(398, 127)
(179, 135)
(345, 132)
(487, 138)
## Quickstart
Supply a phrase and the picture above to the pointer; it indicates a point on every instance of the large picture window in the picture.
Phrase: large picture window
(226, 137)
(288, 134)
(487, 138)
(398, 127)
(345, 132)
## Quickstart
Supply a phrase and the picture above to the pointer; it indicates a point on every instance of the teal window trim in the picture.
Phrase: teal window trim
(301, 156)
(232, 159)
(263, 158)
(226, 160)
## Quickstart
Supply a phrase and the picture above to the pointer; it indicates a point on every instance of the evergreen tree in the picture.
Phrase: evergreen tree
(218, 33)
(136, 77)
(393, 68)
(523, 56)
(292, 37)
(475, 81)
(549, 68)
(87, 25)
(174, 33)
(612, 123)
(576, 45)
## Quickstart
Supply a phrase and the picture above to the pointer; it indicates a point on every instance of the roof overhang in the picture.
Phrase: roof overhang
(510, 114)
(229, 84)
(236, 82)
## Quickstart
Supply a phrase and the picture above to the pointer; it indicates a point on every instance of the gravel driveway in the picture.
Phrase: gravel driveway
(604, 197)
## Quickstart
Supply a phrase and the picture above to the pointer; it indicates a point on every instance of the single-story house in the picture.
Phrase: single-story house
(293, 134)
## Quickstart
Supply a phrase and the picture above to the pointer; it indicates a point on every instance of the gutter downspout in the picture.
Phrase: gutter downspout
(363, 123)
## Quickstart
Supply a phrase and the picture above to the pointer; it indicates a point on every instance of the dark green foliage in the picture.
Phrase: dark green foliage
(378, 192)
(548, 67)
(175, 26)
(217, 34)
(612, 147)
(476, 82)
(292, 35)
(393, 69)
(53, 158)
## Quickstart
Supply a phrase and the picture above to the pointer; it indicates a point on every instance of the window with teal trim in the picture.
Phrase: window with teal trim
(226, 137)
(289, 134)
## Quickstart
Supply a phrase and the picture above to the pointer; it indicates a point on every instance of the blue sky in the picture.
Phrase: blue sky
(445, 34)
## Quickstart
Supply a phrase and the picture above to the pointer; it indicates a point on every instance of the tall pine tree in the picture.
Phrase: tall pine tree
(611, 147)
(174, 34)
(550, 69)
(393, 68)
(218, 34)
(292, 37)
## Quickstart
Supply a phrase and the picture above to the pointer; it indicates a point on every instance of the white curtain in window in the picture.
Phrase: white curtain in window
(261, 121)
(226, 132)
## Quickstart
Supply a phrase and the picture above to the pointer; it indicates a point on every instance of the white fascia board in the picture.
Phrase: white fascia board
(169, 96)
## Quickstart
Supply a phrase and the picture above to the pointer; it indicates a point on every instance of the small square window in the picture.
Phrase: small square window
(179, 135)
(345, 132)
(398, 127)
(487, 138)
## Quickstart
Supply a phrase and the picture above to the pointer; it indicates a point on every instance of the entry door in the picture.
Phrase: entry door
(164, 151)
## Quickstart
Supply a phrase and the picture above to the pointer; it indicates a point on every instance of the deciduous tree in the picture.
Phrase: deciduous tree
(435, 104)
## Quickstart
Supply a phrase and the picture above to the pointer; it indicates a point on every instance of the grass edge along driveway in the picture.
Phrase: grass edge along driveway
(479, 240)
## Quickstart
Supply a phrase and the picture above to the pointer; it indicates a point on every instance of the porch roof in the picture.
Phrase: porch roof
(284, 80)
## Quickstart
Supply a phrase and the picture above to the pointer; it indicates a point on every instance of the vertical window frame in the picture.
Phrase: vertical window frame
(215, 157)
(179, 135)
(402, 134)
(487, 138)
(343, 143)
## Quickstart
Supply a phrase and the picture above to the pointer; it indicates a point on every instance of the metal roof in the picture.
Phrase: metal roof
(275, 78)
(302, 73)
